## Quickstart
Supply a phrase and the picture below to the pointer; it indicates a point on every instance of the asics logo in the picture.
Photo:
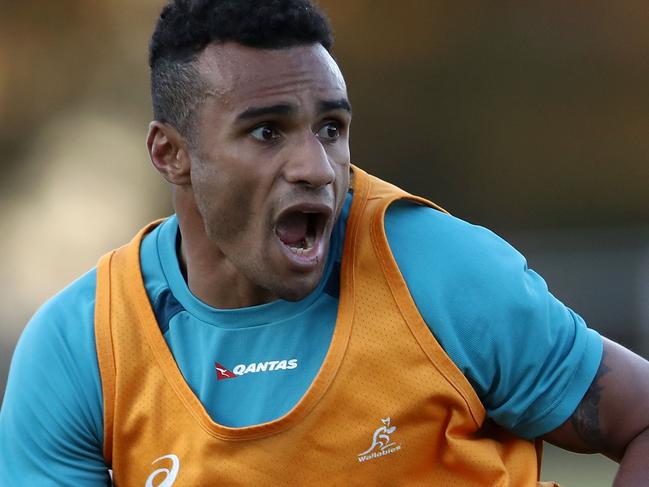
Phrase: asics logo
(223, 372)
(170, 474)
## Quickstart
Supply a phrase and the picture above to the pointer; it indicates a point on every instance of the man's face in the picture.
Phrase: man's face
(270, 168)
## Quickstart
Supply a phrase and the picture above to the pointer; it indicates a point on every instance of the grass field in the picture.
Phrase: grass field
(575, 470)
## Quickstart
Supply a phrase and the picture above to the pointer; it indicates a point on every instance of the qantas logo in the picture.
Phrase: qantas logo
(223, 372)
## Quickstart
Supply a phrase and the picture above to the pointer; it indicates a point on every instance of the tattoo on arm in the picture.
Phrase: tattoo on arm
(585, 419)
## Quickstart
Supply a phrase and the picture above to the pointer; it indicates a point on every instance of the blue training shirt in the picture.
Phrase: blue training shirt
(529, 358)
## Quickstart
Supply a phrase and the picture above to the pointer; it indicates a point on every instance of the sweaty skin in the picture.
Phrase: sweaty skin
(273, 141)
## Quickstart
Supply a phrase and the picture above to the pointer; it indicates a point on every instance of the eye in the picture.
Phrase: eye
(329, 132)
(265, 133)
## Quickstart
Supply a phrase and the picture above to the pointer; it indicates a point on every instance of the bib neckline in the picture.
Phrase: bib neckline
(323, 378)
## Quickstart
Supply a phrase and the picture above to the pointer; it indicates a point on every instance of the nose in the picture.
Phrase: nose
(309, 164)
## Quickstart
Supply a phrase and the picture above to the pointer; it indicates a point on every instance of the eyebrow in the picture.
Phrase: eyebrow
(256, 112)
(330, 105)
(285, 109)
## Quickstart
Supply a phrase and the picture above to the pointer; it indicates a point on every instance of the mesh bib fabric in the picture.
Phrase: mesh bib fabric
(388, 406)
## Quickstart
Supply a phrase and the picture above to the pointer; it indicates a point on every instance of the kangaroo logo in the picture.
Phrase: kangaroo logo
(223, 373)
(381, 438)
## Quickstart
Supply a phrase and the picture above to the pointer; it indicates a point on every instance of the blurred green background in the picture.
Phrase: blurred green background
(530, 118)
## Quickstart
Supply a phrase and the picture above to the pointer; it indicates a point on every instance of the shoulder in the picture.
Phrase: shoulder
(60, 335)
(528, 357)
(75, 300)
(464, 279)
(452, 250)
(53, 403)
(65, 323)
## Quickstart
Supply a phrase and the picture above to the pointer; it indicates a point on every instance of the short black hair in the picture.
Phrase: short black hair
(186, 27)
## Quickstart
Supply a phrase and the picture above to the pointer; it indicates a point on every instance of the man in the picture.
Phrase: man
(298, 321)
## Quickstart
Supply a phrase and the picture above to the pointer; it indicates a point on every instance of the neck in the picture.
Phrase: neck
(210, 275)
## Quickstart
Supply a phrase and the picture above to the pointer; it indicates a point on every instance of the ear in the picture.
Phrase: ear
(168, 152)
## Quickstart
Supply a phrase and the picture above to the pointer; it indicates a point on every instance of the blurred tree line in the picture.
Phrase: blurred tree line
(513, 114)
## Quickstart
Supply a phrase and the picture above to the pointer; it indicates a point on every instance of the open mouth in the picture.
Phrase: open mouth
(301, 230)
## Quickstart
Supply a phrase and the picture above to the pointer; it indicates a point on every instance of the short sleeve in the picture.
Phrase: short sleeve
(529, 358)
(51, 418)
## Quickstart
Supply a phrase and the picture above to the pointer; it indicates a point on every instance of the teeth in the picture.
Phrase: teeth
(306, 245)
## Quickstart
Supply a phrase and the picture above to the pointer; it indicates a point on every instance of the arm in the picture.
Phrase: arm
(530, 359)
(613, 416)
(51, 418)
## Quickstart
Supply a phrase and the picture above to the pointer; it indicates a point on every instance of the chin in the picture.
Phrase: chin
(296, 292)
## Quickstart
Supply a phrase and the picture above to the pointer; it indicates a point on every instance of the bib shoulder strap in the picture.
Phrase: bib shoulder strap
(110, 269)
(104, 344)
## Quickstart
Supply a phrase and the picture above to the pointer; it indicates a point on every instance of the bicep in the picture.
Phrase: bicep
(614, 409)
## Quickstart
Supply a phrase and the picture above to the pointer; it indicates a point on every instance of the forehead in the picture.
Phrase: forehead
(240, 74)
